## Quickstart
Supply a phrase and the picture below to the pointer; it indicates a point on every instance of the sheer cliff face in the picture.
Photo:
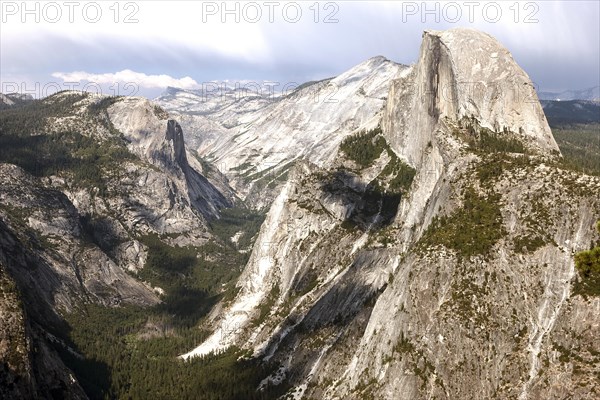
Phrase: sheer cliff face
(175, 134)
(468, 291)
(160, 141)
(463, 73)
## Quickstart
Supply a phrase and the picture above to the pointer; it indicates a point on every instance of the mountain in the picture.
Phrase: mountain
(14, 100)
(254, 140)
(431, 257)
(93, 189)
(571, 111)
(393, 232)
(590, 94)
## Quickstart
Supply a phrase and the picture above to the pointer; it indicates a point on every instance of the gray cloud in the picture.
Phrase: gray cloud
(560, 51)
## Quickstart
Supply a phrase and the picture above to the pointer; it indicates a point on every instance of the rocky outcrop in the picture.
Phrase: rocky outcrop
(15, 375)
(160, 141)
(175, 134)
(468, 292)
(66, 266)
(29, 366)
(463, 73)
(254, 140)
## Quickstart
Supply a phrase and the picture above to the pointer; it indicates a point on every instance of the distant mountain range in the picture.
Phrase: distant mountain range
(592, 93)
(13, 99)
(571, 111)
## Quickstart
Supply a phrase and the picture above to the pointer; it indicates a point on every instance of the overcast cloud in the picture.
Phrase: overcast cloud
(187, 43)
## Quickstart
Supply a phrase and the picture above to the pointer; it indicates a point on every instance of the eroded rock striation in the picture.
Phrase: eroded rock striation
(467, 292)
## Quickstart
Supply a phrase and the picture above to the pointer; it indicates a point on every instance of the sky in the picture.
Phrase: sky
(141, 47)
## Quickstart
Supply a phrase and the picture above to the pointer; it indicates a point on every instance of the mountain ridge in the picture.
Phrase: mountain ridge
(320, 278)
(419, 238)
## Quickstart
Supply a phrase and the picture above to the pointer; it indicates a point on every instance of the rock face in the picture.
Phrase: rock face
(74, 235)
(28, 367)
(255, 138)
(15, 378)
(14, 99)
(67, 269)
(468, 291)
(463, 73)
(141, 123)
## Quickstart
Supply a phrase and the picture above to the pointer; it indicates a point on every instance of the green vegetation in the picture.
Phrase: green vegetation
(266, 305)
(492, 166)
(466, 295)
(196, 278)
(103, 104)
(536, 216)
(165, 264)
(471, 230)
(159, 112)
(132, 352)
(364, 147)
(382, 196)
(15, 350)
(398, 174)
(31, 119)
(529, 243)
(24, 141)
(485, 140)
(121, 362)
(580, 147)
(493, 142)
(588, 265)
(80, 157)
(234, 220)
(403, 345)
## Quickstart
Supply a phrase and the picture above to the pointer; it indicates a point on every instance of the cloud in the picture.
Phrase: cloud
(559, 52)
(129, 76)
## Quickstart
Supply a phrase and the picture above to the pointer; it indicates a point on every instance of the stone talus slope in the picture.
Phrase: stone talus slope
(468, 291)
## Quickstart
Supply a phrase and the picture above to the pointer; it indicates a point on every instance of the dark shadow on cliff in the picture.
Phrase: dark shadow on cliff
(37, 282)
(101, 232)
(372, 207)
(346, 307)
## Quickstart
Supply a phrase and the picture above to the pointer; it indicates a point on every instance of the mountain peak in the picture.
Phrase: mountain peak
(378, 59)
(464, 73)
